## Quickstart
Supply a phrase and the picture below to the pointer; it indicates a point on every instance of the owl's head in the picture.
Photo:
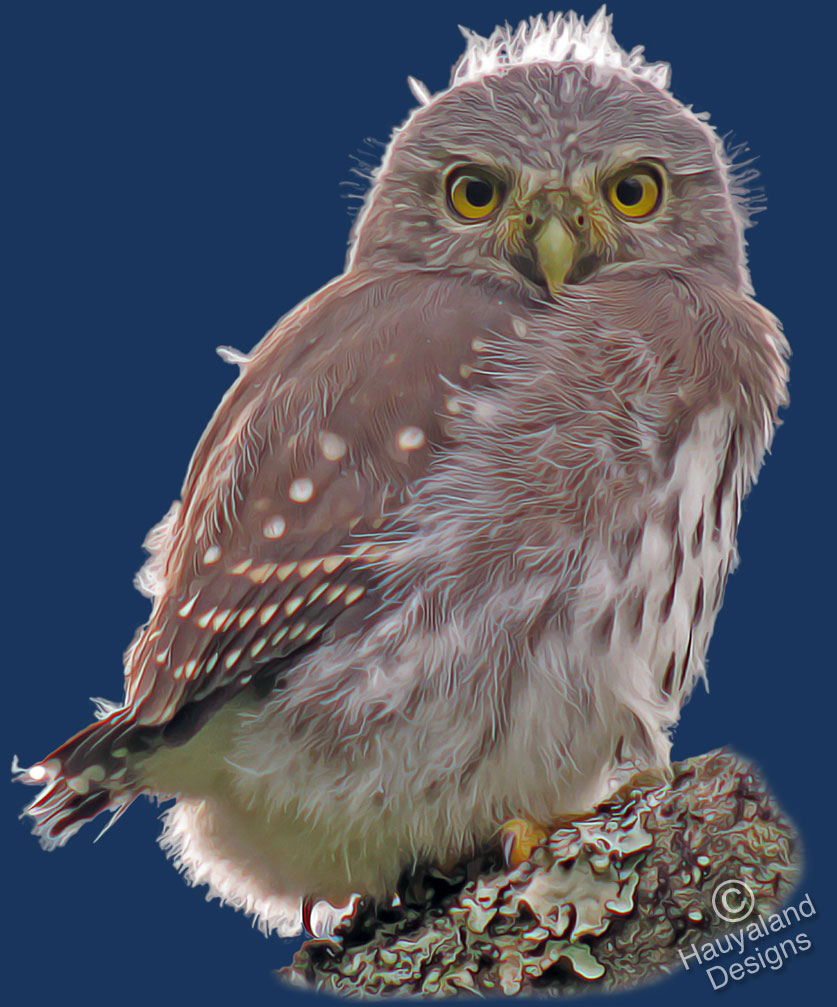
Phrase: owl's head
(554, 156)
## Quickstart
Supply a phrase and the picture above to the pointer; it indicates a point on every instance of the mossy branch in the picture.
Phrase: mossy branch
(605, 904)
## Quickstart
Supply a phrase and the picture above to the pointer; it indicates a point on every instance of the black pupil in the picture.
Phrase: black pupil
(629, 191)
(478, 192)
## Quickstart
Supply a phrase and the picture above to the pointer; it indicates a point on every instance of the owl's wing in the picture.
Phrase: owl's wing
(336, 415)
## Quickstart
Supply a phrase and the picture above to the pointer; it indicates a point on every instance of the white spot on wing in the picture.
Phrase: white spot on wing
(212, 555)
(203, 621)
(410, 438)
(301, 490)
(353, 595)
(267, 613)
(332, 446)
(292, 605)
(186, 609)
(220, 619)
(308, 567)
(274, 527)
(261, 574)
(317, 592)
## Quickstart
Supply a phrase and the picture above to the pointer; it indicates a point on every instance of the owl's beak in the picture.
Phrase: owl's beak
(554, 230)
(555, 248)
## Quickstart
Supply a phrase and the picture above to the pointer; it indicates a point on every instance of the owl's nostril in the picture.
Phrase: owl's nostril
(529, 220)
(580, 219)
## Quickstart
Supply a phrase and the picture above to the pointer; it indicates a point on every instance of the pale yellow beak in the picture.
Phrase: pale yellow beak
(556, 250)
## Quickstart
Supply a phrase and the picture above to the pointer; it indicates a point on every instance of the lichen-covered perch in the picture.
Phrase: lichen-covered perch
(605, 904)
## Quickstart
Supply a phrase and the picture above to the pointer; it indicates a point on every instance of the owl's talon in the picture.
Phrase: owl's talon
(307, 907)
(519, 839)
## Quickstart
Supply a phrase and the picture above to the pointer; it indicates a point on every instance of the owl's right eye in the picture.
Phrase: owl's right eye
(473, 193)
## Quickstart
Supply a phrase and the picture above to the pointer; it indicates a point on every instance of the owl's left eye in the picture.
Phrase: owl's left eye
(473, 193)
(636, 192)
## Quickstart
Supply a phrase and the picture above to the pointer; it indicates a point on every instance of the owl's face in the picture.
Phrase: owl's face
(547, 174)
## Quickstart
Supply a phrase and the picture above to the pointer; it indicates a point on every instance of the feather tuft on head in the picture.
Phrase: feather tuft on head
(554, 38)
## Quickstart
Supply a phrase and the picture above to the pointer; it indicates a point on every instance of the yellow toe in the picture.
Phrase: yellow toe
(519, 838)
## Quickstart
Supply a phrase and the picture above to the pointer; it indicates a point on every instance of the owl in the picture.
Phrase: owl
(448, 556)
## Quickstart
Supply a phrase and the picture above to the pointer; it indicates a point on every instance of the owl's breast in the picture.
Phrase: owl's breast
(648, 611)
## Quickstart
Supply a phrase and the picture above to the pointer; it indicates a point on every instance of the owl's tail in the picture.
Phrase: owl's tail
(84, 777)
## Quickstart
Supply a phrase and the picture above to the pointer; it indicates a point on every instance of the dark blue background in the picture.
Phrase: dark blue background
(174, 181)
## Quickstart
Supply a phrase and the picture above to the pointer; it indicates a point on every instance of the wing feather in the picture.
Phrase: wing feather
(335, 417)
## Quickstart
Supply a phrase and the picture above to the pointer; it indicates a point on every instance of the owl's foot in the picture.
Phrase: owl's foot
(519, 839)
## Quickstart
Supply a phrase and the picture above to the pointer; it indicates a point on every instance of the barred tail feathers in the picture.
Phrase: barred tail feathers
(84, 777)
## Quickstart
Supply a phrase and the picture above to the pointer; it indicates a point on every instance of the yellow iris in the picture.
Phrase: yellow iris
(635, 193)
(473, 194)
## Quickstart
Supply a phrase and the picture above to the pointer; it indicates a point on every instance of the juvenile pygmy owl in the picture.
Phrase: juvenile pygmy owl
(451, 549)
